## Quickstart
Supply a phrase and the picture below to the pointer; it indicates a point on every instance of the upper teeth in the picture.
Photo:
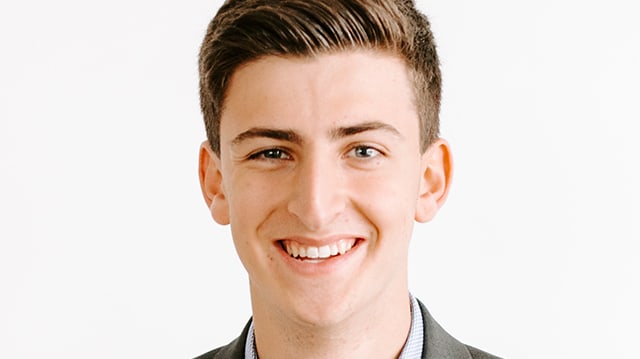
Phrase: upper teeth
(298, 250)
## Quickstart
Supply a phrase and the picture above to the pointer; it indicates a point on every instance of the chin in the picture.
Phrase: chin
(321, 317)
(322, 309)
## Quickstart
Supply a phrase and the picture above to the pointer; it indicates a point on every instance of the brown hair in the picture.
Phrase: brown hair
(246, 30)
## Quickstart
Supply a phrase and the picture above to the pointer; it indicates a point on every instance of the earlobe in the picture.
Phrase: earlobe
(210, 174)
(435, 180)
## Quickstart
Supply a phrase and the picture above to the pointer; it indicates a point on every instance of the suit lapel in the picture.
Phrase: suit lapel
(438, 344)
(235, 349)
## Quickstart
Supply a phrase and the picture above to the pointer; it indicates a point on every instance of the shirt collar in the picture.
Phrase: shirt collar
(415, 341)
(412, 347)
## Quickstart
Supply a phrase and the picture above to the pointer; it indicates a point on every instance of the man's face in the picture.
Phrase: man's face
(321, 177)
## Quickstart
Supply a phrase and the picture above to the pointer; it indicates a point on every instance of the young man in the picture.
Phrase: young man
(322, 151)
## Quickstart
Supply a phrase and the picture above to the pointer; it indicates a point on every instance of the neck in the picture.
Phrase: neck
(377, 330)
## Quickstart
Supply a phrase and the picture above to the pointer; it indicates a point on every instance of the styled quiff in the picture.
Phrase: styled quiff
(246, 30)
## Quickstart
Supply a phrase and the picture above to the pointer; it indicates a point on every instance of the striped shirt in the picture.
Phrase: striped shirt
(412, 347)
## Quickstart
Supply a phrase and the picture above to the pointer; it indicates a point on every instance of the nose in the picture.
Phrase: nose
(318, 197)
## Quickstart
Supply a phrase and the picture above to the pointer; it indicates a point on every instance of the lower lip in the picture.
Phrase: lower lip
(319, 266)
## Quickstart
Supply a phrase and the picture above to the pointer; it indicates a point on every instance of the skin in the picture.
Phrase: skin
(314, 150)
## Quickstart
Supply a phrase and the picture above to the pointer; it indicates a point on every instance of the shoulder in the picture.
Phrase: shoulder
(233, 350)
(229, 351)
(440, 344)
(210, 355)
(479, 354)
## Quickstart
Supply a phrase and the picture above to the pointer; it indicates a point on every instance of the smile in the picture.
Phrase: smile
(300, 251)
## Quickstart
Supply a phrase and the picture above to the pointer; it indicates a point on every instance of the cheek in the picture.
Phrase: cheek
(246, 194)
(251, 202)
(388, 199)
(394, 187)
(247, 212)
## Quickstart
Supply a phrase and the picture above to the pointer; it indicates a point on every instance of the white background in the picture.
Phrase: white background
(107, 249)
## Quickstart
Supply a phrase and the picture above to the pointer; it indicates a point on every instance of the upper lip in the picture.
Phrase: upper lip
(318, 242)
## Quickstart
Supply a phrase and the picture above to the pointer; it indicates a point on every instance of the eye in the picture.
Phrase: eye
(364, 152)
(270, 154)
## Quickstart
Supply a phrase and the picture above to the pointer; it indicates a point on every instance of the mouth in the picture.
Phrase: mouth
(305, 252)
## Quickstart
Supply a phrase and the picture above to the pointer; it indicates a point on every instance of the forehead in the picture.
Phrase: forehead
(324, 89)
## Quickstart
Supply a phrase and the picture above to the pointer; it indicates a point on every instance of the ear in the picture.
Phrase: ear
(210, 174)
(435, 180)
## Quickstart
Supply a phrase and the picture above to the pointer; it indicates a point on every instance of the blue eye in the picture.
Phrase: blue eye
(365, 152)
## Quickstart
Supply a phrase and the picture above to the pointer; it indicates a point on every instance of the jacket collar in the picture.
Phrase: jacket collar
(438, 343)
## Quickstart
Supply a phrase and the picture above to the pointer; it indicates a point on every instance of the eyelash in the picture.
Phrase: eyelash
(262, 155)
(277, 154)
(367, 149)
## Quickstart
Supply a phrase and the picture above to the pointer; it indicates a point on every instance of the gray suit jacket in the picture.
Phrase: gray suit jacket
(438, 344)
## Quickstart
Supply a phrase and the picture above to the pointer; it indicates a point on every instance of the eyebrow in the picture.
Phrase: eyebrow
(347, 131)
(334, 134)
(257, 132)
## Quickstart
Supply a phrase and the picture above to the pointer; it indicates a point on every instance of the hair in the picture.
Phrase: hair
(247, 30)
